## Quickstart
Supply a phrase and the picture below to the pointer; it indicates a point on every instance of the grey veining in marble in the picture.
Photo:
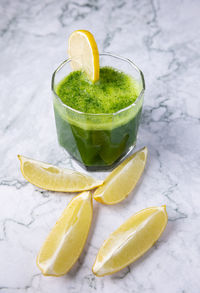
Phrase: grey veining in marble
(162, 37)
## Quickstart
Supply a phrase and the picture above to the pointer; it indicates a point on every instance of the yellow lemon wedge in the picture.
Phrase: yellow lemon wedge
(52, 178)
(130, 241)
(66, 241)
(83, 51)
(122, 180)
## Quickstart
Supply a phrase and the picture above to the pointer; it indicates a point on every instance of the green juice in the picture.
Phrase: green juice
(99, 132)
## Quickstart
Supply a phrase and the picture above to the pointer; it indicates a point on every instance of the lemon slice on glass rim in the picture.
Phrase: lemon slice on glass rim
(83, 51)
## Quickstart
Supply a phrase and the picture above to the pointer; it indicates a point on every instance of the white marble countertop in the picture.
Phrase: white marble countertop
(162, 37)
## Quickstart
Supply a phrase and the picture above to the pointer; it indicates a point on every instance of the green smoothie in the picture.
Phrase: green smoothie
(100, 131)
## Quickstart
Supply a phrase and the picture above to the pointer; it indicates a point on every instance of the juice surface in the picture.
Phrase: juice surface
(114, 91)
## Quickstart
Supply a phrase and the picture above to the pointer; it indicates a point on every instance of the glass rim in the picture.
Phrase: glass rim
(101, 114)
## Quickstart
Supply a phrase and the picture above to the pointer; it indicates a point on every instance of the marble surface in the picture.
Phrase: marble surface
(162, 37)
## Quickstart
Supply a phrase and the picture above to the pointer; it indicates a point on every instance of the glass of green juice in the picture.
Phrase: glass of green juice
(96, 138)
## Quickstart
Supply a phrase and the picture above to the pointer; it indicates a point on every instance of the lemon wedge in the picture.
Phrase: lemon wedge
(50, 177)
(122, 180)
(65, 242)
(83, 51)
(130, 241)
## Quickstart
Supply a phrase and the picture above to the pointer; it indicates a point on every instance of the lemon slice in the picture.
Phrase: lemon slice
(83, 51)
(130, 241)
(65, 242)
(50, 177)
(122, 180)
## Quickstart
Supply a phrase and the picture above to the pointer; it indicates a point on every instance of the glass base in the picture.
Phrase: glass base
(103, 168)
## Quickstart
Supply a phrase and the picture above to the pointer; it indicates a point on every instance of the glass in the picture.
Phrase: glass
(98, 141)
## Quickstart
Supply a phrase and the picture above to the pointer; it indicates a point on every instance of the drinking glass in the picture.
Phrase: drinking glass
(98, 141)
